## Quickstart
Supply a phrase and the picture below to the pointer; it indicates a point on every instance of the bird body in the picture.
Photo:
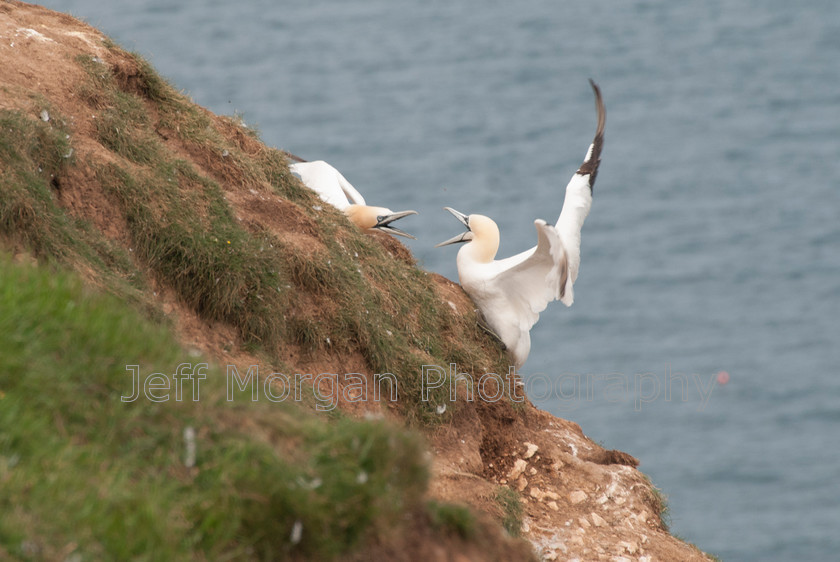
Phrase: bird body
(510, 293)
(333, 188)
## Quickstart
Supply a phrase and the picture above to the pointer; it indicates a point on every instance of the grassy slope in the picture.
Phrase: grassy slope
(78, 465)
(82, 471)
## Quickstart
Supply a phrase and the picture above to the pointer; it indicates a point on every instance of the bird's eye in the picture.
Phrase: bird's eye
(380, 218)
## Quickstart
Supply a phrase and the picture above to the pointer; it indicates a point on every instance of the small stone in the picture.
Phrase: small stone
(536, 493)
(552, 496)
(553, 506)
(584, 523)
(521, 484)
(518, 468)
(577, 496)
(532, 471)
(597, 520)
(531, 450)
(630, 547)
(45, 115)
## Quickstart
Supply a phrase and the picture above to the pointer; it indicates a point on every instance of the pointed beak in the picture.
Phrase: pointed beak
(465, 220)
(464, 236)
(383, 223)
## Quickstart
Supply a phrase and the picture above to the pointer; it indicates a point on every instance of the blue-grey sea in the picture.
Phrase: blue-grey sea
(713, 243)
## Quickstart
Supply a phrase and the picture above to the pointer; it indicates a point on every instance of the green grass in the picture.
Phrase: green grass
(82, 470)
(452, 518)
(186, 233)
(659, 502)
(35, 156)
(511, 504)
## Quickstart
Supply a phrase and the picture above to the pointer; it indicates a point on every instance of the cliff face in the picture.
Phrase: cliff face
(109, 172)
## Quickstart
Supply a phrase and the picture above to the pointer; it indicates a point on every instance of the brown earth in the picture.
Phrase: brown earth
(580, 501)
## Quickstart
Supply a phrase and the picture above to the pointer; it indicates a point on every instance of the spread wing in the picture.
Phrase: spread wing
(535, 277)
(578, 199)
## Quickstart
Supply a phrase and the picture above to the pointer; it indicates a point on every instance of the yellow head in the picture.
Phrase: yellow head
(379, 218)
(482, 236)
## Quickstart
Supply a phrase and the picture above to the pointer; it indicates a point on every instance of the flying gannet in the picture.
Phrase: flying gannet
(334, 189)
(510, 293)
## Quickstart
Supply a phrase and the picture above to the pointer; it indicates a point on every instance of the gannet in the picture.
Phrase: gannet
(510, 293)
(334, 189)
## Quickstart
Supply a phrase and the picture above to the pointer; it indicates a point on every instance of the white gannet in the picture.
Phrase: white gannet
(510, 293)
(334, 189)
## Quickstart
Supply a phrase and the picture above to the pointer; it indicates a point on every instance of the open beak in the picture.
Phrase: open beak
(383, 223)
(464, 236)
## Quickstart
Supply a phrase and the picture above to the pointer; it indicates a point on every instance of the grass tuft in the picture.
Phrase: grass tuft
(511, 504)
(453, 518)
(658, 501)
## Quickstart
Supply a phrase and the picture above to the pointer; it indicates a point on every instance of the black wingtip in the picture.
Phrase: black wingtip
(591, 165)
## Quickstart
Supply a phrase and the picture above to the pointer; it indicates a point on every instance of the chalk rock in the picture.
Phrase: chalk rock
(531, 450)
(597, 520)
(577, 496)
(518, 468)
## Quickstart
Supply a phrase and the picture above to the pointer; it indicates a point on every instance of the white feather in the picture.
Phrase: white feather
(328, 183)
(576, 207)
(512, 292)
